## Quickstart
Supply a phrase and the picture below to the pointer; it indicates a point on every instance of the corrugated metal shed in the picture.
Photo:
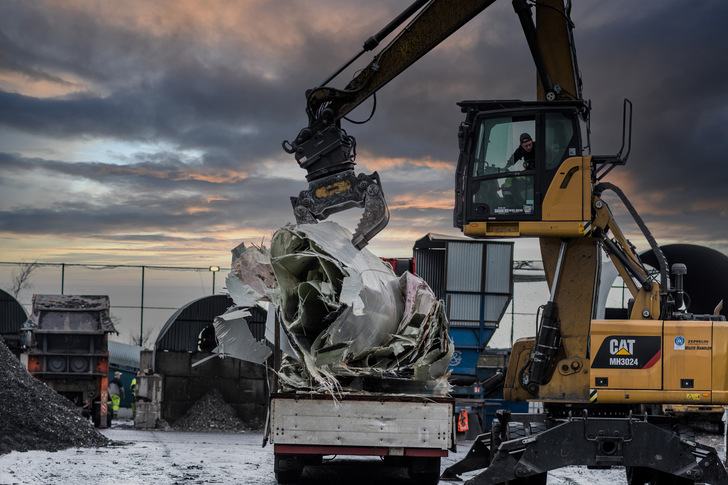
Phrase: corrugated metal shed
(124, 355)
(12, 314)
(475, 280)
(182, 330)
(473, 277)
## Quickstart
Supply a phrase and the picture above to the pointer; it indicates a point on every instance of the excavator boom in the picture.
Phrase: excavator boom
(328, 153)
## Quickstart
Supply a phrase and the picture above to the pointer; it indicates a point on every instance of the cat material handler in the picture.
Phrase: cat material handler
(596, 377)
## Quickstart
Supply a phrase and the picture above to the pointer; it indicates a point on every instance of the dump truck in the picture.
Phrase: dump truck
(66, 346)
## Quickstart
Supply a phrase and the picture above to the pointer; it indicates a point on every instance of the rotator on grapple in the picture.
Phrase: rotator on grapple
(328, 154)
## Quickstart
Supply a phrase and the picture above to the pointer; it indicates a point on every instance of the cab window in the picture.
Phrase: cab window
(498, 139)
(560, 141)
(500, 183)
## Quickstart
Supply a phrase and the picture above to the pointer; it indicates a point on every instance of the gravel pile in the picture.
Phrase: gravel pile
(210, 413)
(35, 417)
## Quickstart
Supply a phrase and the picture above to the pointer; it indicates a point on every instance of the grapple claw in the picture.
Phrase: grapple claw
(341, 191)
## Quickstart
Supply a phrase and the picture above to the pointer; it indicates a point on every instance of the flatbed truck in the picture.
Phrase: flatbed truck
(412, 431)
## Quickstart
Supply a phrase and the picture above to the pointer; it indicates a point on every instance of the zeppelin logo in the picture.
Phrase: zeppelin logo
(628, 352)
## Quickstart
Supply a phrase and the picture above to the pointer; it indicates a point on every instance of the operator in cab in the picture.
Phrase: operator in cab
(526, 152)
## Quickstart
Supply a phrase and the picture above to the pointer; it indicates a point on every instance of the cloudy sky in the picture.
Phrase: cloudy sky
(137, 132)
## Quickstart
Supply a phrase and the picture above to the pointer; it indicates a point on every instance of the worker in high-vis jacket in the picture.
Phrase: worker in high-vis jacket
(116, 391)
(133, 394)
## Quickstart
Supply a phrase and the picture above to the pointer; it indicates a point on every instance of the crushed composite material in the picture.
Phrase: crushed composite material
(351, 323)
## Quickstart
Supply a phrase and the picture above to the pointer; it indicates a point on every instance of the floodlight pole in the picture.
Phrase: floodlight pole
(214, 269)
(141, 316)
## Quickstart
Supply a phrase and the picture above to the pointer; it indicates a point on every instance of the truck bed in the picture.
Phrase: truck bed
(363, 424)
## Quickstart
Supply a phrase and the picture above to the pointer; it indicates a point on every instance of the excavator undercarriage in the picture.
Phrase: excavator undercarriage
(522, 449)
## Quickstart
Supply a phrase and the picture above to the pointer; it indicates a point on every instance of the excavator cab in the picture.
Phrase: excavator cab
(503, 190)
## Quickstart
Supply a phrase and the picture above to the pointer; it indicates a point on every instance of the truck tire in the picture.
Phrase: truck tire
(287, 468)
(96, 416)
(518, 430)
(515, 430)
(424, 470)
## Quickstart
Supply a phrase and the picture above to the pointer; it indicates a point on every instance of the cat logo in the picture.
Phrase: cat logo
(621, 346)
(628, 352)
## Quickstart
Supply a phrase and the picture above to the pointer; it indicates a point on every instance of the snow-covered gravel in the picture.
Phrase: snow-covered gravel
(178, 457)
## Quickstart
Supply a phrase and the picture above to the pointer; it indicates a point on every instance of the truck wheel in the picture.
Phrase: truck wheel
(96, 416)
(424, 470)
(287, 468)
(517, 429)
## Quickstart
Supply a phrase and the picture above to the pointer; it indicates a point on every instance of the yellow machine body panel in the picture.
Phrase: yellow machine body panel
(626, 354)
(688, 352)
(566, 207)
(569, 194)
(647, 361)
(720, 363)
(524, 229)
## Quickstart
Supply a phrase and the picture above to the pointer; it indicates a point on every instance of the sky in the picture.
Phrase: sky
(149, 133)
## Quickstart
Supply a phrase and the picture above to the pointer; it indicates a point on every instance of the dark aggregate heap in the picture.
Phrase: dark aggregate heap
(210, 413)
(35, 417)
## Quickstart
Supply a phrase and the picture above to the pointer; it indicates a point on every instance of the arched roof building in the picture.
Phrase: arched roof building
(12, 317)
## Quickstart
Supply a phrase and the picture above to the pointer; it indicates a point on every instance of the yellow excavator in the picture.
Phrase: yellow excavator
(596, 378)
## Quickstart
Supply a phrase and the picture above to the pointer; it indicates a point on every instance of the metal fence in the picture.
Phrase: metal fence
(142, 291)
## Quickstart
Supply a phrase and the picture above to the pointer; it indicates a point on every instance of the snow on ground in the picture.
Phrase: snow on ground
(176, 457)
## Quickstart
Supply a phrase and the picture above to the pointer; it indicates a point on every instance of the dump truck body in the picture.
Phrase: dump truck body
(66, 338)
